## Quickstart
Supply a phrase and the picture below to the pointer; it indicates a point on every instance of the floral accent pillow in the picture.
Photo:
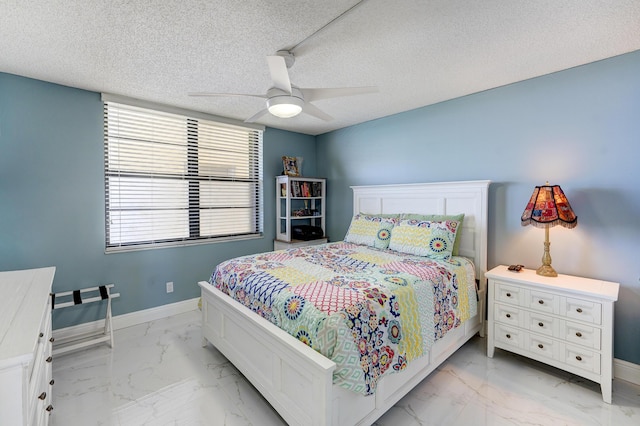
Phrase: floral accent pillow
(433, 239)
(372, 231)
(438, 217)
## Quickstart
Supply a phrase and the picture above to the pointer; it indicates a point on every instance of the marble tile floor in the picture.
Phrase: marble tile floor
(158, 374)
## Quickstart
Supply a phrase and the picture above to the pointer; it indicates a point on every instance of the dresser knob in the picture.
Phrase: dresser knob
(579, 310)
(49, 359)
(579, 334)
(52, 340)
(541, 324)
(508, 336)
(540, 345)
(41, 335)
(49, 408)
(51, 382)
(42, 396)
(578, 357)
(541, 302)
(508, 315)
(508, 294)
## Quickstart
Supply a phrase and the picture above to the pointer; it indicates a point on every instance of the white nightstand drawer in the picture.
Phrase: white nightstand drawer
(541, 323)
(508, 294)
(583, 310)
(507, 314)
(541, 346)
(582, 358)
(508, 335)
(542, 301)
(581, 334)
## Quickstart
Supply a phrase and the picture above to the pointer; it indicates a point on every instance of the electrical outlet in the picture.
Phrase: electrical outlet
(170, 287)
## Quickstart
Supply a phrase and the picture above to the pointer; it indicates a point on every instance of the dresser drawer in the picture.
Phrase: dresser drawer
(507, 293)
(541, 323)
(507, 335)
(582, 358)
(39, 395)
(582, 310)
(507, 314)
(581, 334)
(541, 346)
(542, 301)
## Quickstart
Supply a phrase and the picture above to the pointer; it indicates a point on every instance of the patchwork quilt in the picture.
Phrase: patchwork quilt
(371, 311)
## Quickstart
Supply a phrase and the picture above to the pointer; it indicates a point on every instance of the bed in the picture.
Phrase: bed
(297, 380)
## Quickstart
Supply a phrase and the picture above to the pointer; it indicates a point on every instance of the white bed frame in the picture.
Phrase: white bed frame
(297, 380)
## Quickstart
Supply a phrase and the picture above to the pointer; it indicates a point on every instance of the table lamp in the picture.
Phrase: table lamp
(548, 207)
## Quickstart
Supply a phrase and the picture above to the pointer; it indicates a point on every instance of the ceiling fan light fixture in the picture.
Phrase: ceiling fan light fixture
(285, 106)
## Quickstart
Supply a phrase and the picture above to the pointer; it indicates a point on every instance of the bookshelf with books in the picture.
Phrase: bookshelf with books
(300, 211)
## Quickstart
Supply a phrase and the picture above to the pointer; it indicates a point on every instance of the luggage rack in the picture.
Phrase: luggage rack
(75, 297)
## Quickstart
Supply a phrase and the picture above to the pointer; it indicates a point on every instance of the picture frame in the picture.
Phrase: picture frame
(290, 165)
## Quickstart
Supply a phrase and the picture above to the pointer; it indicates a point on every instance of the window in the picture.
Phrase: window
(173, 179)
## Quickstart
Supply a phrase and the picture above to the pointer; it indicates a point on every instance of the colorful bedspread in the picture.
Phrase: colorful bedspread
(370, 311)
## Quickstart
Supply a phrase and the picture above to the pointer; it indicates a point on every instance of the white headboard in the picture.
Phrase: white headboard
(470, 198)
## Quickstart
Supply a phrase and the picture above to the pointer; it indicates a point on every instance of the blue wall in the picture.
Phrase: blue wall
(52, 202)
(579, 128)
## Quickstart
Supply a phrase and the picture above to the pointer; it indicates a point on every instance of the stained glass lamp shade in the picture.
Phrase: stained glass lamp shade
(548, 207)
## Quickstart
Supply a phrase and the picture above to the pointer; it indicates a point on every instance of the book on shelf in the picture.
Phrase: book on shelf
(305, 189)
(316, 189)
(295, 188)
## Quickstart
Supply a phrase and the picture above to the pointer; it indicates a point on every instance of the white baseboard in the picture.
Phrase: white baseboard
(626, 371)
(130, 319)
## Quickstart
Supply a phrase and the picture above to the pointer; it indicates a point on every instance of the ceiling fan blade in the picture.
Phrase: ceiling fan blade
(316, 112)
(256, 116)
(279, 73)
(207, 94)
(311, 95)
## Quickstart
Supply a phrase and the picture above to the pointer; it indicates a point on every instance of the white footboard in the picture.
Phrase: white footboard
(297, 380)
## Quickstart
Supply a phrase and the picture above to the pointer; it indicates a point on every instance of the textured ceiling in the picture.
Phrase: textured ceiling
(418, 52)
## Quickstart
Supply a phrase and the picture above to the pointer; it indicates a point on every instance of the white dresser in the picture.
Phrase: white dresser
(25, 346)
(563, 321)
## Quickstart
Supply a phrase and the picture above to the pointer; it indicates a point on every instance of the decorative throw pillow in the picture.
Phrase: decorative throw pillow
(433, 239)
(372, 231)
(384, 215)
(439, 217)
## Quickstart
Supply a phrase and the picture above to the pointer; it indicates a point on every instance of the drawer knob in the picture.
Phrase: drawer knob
(52, 339)
(541, 302)
(578, 334)
(49, 408)
(540, 345)
(508, 315)
(508, 336)
(579, 310)
(41, 335)
(51, 382)
(49, 359)
(541, 324)
(578, 357)
(508, 294)
(42, 396)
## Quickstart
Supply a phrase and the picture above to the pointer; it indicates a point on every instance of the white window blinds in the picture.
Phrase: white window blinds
(171, 179)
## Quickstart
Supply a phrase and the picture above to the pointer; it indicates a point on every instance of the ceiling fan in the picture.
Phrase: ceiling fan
(286, 100)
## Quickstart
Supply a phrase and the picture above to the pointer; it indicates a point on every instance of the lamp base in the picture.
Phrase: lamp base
(546, 271)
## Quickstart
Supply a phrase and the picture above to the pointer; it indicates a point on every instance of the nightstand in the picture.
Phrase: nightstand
(564, 321)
